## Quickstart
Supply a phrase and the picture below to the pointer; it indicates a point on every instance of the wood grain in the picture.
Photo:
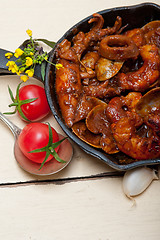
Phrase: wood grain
(85, 201)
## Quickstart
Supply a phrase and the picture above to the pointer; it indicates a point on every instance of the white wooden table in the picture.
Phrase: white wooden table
(85, 200)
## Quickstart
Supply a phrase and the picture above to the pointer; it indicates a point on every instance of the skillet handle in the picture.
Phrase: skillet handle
(4, 68)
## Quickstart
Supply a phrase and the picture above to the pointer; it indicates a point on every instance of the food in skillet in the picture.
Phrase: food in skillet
(106, 86)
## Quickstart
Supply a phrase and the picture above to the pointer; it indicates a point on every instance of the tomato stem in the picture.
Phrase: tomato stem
(50, 148)
(18, 103)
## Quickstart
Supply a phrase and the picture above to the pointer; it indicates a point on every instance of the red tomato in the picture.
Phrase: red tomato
(35, 136)
(37, 109)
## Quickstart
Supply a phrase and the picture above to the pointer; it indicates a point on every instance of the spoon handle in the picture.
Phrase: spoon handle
(14, 129)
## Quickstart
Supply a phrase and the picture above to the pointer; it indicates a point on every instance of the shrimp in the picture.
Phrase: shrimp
(137, 36)
(141, 79)
(125, 125)
(153, 120)
(130, 143)
(120, 107)
(101, 117)
(99, 120)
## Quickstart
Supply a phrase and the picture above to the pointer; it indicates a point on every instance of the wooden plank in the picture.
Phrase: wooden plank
(89, 209)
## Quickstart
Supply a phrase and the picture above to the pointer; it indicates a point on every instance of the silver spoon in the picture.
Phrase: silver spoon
(65, 152)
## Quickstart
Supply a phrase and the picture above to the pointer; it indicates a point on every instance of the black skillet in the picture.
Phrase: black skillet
(135, 16)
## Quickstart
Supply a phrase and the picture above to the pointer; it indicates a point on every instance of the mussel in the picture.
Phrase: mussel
(98, 123)
(80, 129)
(149, 103)
(106, 69)
(151, 32)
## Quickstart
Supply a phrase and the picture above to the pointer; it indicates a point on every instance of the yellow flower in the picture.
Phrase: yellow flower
(15, 69)
(10, 65)
(29, 32)
(18, 52)
(30, 72)
(59, 65)
(24, 78)
(8, 55)
(29, 61)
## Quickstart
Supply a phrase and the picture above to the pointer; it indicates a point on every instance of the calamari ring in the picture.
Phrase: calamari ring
(118, 47)
(147, 74)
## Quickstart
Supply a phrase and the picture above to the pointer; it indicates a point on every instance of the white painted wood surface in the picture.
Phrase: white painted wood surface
(75, 203)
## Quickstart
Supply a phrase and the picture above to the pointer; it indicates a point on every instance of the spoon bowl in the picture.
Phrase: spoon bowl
(65, 152)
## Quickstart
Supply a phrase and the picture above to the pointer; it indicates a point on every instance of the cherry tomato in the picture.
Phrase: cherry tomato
(37, 109)
(36, 136)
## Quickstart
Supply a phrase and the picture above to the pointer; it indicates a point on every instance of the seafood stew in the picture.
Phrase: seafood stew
(99, 103)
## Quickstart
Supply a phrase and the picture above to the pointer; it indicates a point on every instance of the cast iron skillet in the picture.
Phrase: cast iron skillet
(135, 16)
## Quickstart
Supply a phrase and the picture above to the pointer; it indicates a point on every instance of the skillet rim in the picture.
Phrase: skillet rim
(49, 88)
